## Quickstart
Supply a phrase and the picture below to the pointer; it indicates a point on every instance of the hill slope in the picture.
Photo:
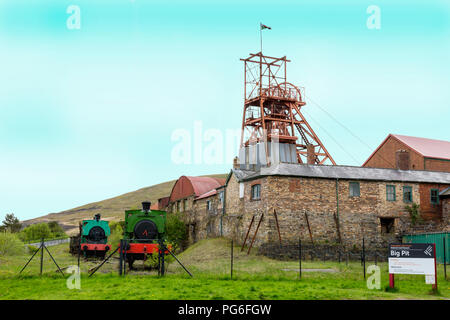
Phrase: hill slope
(111, 209)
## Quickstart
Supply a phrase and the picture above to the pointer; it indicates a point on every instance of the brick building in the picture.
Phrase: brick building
(411, 153)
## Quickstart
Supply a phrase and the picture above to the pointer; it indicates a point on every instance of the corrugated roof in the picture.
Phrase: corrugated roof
(345, 172)
(429, 148)
(202, 185)
(197, 186)
(445, 192)
(207, 194)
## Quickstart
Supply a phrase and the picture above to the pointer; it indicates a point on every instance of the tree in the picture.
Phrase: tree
(11, 223)
(36, 232)
(56, 229)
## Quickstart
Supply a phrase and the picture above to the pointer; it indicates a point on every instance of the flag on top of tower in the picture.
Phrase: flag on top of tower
(263, 26)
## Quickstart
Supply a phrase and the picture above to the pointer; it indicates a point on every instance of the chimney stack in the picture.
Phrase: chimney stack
(402, 161)
(310, 155)
(236, 163)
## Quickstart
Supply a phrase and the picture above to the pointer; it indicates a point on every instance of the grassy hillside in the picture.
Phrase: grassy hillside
(111, 209)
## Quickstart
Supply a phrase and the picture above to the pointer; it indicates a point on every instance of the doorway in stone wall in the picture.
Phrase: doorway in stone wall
(192, 233)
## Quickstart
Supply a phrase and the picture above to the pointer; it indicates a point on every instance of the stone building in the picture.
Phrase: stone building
(322, 204)
(195, 198)
(329, 204)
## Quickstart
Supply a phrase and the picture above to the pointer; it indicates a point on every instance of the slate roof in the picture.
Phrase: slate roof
(344, 172)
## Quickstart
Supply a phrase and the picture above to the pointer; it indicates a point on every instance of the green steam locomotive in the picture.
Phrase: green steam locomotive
(92, 239)
(143, 231)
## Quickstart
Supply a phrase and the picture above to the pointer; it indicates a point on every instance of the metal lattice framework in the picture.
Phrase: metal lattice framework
(272, 110)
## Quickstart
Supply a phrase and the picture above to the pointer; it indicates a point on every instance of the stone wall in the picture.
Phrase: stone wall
(308, 208)
(446, 214)
(323, 252)
(313, 209)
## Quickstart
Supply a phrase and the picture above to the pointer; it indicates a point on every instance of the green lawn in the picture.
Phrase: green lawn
(254, 277)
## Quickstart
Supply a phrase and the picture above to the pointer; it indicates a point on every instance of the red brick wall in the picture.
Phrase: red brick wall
(437, 165)
(385, 156)
(430, 211)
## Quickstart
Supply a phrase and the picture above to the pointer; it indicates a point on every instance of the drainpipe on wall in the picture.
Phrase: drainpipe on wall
(337, 210)
(223, 210)
(337, 198)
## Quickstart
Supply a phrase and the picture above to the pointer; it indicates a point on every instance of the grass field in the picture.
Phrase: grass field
(254, 277)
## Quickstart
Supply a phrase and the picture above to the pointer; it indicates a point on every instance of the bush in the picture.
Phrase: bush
(116, 232)
(414, 213)
(36, 232)
(10, 244)
(56, 229)
(175, 230)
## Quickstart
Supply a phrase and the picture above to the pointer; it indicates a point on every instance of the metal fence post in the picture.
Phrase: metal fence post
(231, 265)
(364, 259)
(120, 257)
(445, 259)
(42, 255)
(300, 258)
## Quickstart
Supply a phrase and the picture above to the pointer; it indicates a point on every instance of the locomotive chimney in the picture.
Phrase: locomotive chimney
(402, 159)
(146, 206)
(97, 217)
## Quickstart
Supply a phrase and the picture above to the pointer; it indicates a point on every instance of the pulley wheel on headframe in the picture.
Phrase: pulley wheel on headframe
(96, 234)
(146, 230)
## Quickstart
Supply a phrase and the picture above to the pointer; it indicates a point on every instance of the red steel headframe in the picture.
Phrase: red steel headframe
(272, 110)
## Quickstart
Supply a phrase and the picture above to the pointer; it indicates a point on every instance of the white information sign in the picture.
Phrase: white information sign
(411, 266)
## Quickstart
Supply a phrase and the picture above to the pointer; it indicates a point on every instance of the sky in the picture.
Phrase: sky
(93, 100)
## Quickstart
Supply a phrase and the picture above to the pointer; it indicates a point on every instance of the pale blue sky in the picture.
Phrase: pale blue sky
(88, 114)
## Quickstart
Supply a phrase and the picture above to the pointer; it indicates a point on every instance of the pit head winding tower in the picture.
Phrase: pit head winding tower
(273, 128)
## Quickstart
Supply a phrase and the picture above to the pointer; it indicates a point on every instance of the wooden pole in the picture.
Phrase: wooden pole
(248, 231)
(278, 226)
(254, 236)
(309, 228)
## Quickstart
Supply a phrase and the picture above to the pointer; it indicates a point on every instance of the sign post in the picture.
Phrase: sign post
(413, 258)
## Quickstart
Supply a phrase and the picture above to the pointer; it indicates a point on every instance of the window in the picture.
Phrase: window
(241, 190)
(434, 196)
(221, 197)
(390, 193)
(407, 194)
(184, 204)
(387, 225)
(354, 189)
(208, 205)
(256, 192)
